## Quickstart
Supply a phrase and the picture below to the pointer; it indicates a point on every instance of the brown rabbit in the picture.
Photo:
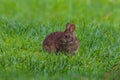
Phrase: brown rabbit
(62, 41)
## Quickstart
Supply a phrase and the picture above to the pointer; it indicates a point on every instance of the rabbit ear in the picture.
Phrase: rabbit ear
(72, 28)
(68, 26)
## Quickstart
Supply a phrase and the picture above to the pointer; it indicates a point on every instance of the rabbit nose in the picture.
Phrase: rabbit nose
(68, 37)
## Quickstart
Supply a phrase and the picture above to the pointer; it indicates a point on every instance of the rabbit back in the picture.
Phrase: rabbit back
(50, 43)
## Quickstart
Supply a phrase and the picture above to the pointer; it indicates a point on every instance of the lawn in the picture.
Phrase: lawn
(25, 23)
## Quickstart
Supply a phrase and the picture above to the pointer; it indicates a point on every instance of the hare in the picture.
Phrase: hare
(64, 41)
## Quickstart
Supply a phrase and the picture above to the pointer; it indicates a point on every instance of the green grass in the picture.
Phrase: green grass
(25, 23)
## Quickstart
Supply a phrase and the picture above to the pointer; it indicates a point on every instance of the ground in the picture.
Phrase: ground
(25, 23)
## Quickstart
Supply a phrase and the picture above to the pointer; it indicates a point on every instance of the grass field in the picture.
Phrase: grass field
(25, 23)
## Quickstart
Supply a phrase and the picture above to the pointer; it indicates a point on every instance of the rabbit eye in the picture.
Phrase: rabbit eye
(66, 36)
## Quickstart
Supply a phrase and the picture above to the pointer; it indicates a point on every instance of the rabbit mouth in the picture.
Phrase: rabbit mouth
(67, 42)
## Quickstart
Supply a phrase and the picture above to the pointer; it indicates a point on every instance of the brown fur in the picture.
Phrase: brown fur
(62, 41)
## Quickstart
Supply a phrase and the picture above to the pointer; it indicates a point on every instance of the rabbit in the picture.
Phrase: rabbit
(64, 41)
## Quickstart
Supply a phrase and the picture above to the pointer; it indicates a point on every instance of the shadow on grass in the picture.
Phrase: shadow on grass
(114, 73)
